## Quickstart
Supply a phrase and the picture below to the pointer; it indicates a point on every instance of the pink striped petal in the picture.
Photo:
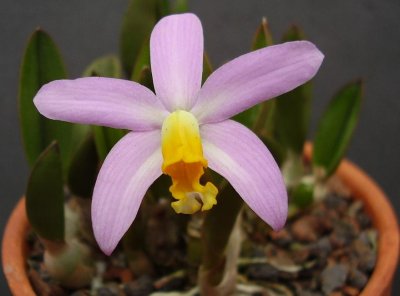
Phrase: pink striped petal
(240, 157)
(256, 77)
(101, 101)
(128, 171)
(176, 50)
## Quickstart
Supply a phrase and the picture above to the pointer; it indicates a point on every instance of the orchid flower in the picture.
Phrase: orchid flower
(183, 128)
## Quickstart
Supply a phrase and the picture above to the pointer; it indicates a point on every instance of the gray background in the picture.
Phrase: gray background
(359, 38)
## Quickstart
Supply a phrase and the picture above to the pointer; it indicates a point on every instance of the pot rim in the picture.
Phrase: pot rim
(376, 203)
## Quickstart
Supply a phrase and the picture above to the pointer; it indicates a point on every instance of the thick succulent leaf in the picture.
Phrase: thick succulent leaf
(41, 64)
(291, 118)
(262, 38)
(162, 8)
(105, 139)
(303, 194)
(292, 109)
(107, 66)
(248, 117)
(142, 71)
(138, 22)
(45, 195)
(166, 7)
(180, 6)
(336, 127)
(207, 67)
(83, 170)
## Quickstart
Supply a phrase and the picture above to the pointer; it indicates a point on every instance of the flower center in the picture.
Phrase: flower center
(184, 163)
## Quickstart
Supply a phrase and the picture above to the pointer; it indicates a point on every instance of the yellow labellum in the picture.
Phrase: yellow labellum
(184, 163)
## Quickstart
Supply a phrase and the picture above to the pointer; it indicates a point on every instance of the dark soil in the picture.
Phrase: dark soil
(327, 249)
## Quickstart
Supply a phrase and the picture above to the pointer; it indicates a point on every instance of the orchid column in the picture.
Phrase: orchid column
(184, 128)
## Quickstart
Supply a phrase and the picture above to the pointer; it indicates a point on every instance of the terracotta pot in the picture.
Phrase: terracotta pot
(384, 220)
(14, 251)
(363, 188)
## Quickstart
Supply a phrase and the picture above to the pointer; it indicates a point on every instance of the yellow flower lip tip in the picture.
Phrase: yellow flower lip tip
(184, 162)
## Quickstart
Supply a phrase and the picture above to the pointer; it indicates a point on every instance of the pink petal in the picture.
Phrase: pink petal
(101, 101)
(128, 171)
(176, 50)
(256, 77)
(240, 157)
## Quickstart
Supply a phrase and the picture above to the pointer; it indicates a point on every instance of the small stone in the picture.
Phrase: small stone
(305, 229)
(123, 275)
(365, 254)
(343, 233)
(81, 293)
(357, 279)
(141, 287)
(338, 203)
(301, 255)
(108, 291)
(351, 291)
(355, 208)
(40, 287)
(321, 248)
(262, 272)
(176, 283)
(281, 238)
(363, 220)
(308, 293)
(333, 277)
(336, 293)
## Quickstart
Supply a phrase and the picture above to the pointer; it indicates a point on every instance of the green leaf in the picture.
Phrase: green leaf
(146, 78)
(248, 117)
(292, 115)
(163, 8)
(303, 194)
(336, 127)
(276, 149)
(138, 22)
(294, 33)
(41, 64)
(180, 6)
(83, 170)
(107, 66)
(262, 37)
(141, 72)
(105, 139)
(207, 67)
(292, 109)
(45, 195)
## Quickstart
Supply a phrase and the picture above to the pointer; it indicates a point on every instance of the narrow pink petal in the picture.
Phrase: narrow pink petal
(176, 50)
(256, 77)
(240, 157)
(128, 171)
(101, 101)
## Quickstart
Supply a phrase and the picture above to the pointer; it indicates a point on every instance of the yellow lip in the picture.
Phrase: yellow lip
(184, 163)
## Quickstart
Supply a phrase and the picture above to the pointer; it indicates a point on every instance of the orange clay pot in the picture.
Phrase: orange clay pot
(384, 220)
(376, 203)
